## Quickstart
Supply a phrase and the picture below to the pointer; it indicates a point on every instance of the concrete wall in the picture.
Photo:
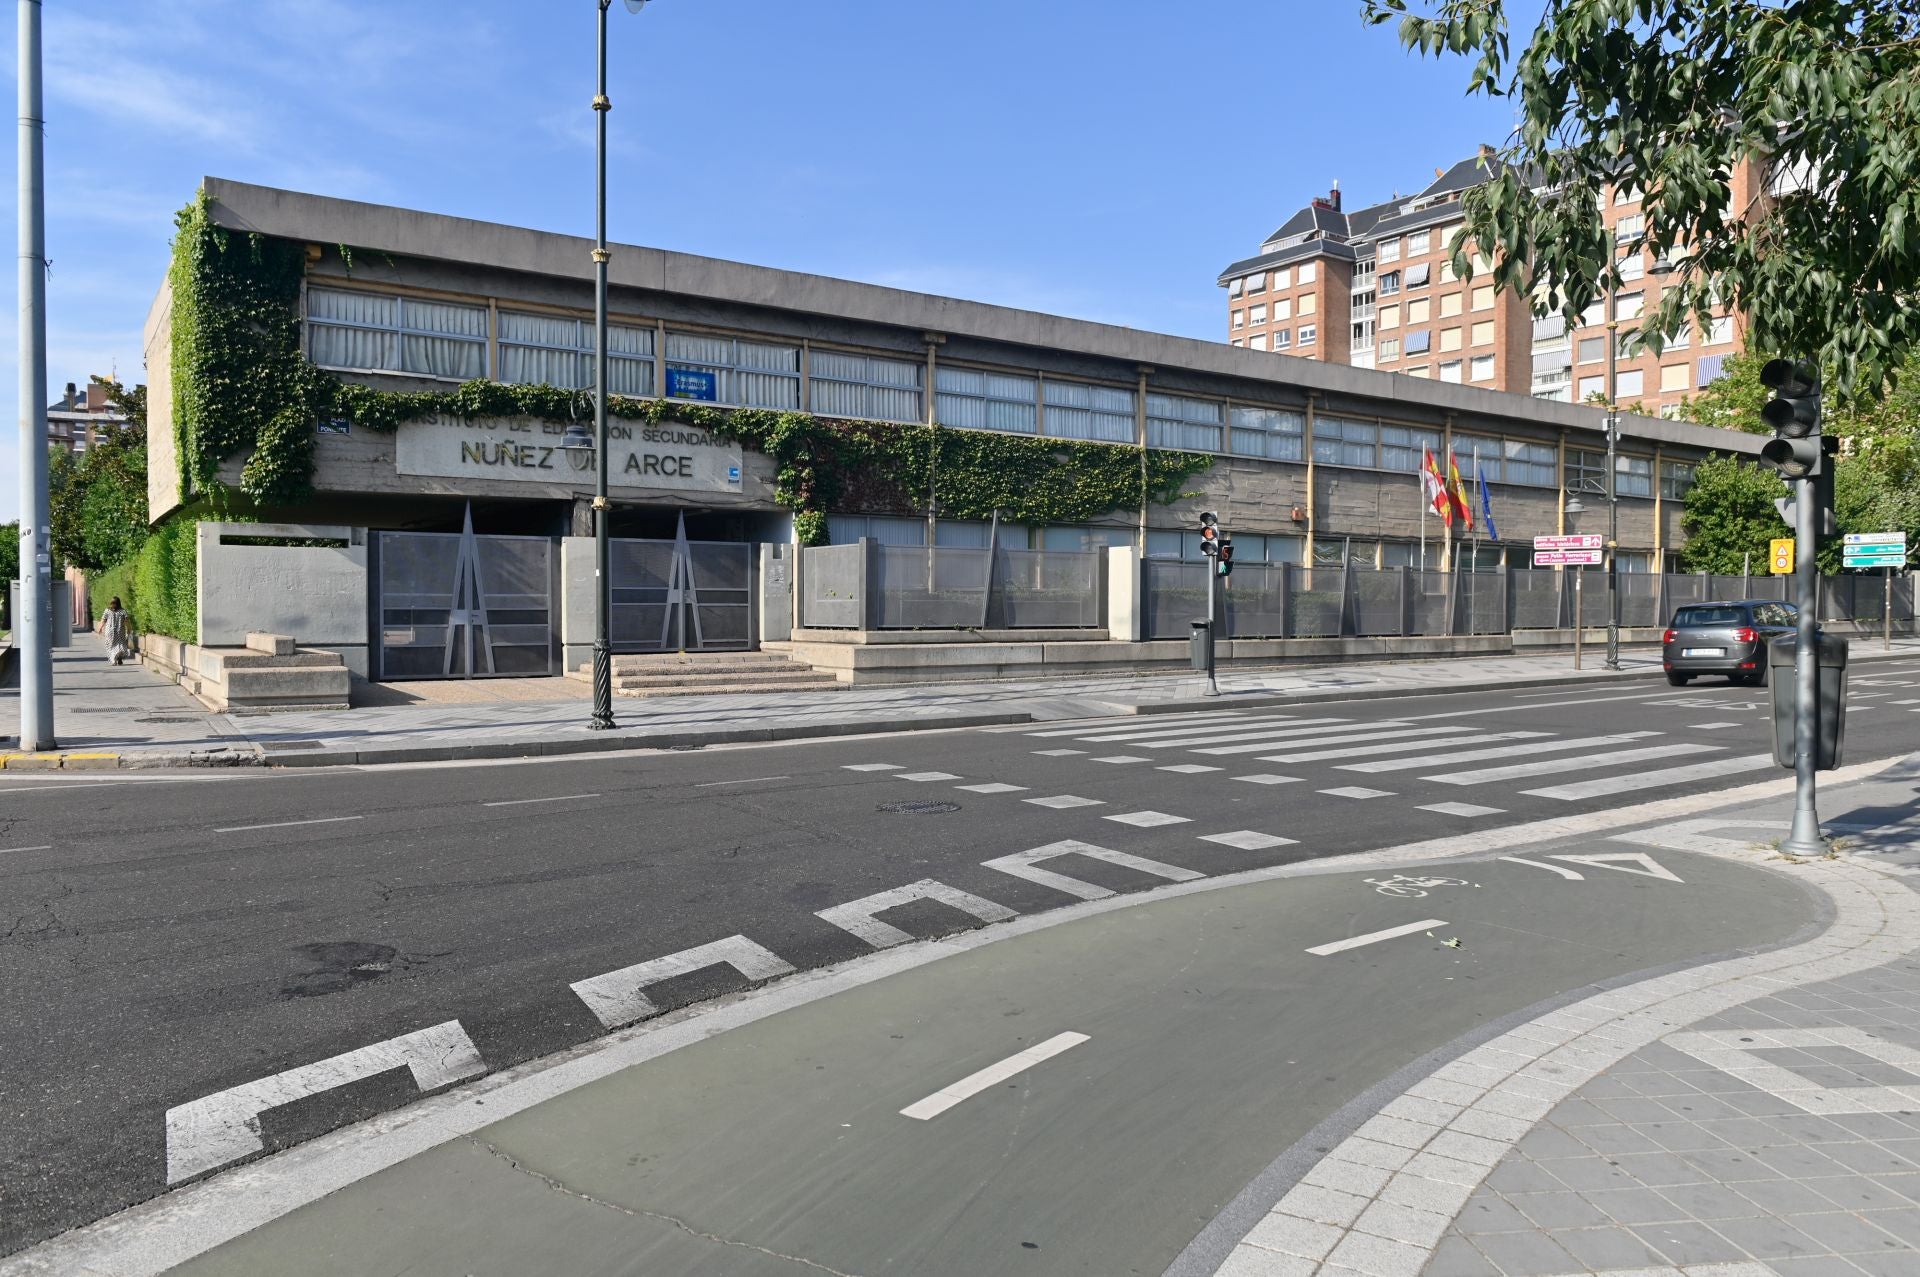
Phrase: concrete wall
(163, 459)
(576, 603)
(774, 565)
(316, 594)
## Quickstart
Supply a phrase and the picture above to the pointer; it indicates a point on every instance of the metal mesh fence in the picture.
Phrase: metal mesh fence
(1639, 599)
(1255, 597)
(1481, 602)
(1432, 592)
(1379, 601)
(1318, 603)
(929, 588)
(833, 587)
(1045, 589)
(1536, 599)
(1174, 596)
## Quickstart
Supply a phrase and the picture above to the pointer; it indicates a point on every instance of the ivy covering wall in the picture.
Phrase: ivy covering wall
(241, 384)
(158, 584)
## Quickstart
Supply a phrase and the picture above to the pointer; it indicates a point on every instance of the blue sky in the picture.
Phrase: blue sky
(1101, 160)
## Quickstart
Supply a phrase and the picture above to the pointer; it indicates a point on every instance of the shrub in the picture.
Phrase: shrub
(157, 585)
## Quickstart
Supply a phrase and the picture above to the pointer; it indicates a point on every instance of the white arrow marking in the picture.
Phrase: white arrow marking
(1642, 864)
(857, 915)
(1574, 874)
(225, 1126)
(1025, 864)
(617, 997)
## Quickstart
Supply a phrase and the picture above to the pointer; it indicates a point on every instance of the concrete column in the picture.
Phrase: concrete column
(1140, 437)
(576, 602)
(1126, 613)
(774, 564)
(1306, 454)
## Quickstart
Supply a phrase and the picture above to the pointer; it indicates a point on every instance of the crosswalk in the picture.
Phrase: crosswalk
(1520, 761)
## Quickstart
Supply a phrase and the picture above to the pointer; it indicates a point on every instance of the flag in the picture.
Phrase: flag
(1437, 490)
(1457, 494)
(1486, 502)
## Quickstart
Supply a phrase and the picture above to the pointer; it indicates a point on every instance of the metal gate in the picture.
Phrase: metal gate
(681, 595)
(456, 605)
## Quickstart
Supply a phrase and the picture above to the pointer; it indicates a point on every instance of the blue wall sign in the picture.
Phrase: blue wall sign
(733, 474)
(689, 383)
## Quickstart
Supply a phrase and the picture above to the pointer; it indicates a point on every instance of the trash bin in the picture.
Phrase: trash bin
(1832, 703)
(1202, 646)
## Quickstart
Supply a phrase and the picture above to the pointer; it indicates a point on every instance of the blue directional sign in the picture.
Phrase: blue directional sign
(1874, 550)
(691, 383)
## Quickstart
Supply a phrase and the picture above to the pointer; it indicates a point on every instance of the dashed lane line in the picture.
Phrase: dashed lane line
(1249, 840)
(1356, 792)
(619, 997)
(558, 798)
(286, 824)
(1147, 819)
(1463, 809)
(1060, 802)
(993, 787)
(1189, 769)
(871, 767)
(857, 916)
(8, 851)
(1375, 937)
(927, 776)
(1584, 762)
(1269, 778)
(1026, 864)
(1058, 753)
(994, 1074)
(745, 780)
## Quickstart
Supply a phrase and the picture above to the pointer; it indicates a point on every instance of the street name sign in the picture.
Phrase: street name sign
(1874, 550)
(1874, 538)
(1576, 541)
(1566, 558)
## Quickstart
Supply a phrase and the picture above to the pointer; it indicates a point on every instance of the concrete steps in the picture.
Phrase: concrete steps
(713, 674)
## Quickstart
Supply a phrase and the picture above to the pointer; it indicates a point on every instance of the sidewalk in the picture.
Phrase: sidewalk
(143, 721)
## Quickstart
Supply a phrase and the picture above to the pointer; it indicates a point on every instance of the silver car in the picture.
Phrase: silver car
(1725, 638)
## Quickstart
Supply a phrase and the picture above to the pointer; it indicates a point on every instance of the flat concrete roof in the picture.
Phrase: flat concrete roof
(323, 219)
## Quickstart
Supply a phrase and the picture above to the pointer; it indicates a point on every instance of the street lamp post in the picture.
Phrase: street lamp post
(1613, 443)
(1572, 509)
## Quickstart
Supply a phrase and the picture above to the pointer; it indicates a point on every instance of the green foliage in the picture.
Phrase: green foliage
(1732, 401)
(1671, 97)
(99, 498)
(157, 584)
(9, 566)
(241, 383)
(1729, 515)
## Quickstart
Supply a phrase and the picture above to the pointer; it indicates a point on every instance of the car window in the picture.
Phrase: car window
(1696, 617)
(1774, 614)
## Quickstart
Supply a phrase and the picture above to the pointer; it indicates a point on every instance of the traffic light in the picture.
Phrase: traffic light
(1794, 414)
(1226, 558)
(1209, 533)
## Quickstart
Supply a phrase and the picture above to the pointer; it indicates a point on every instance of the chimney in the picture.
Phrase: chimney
(1333, 196)
(73, 393)
(96, 396)
(1486, 152)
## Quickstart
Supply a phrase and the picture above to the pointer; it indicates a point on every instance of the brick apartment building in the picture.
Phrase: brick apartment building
(82, 417)
(1374, 288)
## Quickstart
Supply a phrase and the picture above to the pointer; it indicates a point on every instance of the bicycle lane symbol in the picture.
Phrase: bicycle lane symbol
(1410, 885)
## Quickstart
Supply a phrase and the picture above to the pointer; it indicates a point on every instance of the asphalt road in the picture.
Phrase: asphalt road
(164, 939)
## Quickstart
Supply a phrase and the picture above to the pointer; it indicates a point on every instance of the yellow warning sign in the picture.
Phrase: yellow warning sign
(1780, 556)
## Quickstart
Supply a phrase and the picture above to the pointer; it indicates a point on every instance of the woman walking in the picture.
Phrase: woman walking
(117, 629)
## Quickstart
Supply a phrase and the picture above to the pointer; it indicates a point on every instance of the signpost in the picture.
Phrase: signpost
(1883, 550)
(1576, 550)
(1780, 556)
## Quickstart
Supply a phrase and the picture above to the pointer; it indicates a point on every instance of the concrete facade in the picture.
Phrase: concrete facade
(317, 593)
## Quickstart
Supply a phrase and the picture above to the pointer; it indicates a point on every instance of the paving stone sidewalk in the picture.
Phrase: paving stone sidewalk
(1755, 1118)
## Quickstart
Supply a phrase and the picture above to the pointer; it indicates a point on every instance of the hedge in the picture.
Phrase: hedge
(157, 585)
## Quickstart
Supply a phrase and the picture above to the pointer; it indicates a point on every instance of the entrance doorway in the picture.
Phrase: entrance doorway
(457, 605)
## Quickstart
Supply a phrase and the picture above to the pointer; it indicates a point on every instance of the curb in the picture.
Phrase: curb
(59, 762)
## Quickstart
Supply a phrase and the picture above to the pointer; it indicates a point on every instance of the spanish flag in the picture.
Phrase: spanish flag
(1457, 495)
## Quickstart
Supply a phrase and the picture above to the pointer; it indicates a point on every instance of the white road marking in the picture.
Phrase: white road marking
(1346, 737)
(1712, 727)
(1463, 809)
(225, 1126)
(1147, 729)
(1509, 709)
(1026, 864)
(7, 851)
(286, 824)
(1145, 722)
(617, 997)
(567, 798)
(1627, 862)
(1242, 729)
(857, 916)
(1583, 762)
(993, 788)
(1269, 778)
(1060, 802)
(926, 776)
(1249, 840)
(1654, 779)
(1375, 937)
(1122, 758)
(1508, 751)
(1562, 870)
(1357, 791)
(1146, 819)
(1189, 769)
(1398, 747)
(1058, 753)
(870, 767)
(747, 780)
(994, 1074)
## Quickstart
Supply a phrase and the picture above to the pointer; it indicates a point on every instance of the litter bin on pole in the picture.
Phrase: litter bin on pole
(1202, 646)
(1832, 705)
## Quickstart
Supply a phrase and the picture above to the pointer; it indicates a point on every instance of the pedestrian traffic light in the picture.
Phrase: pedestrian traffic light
(1226, 558)
(1209, 533)
(1794, 414)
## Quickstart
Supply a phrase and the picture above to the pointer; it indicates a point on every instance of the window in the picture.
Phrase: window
(1283, 278)
(1591, 386)
(1720, 331)
(1631, 383)
(1633, 476)
(1175, 421)
(1236, 287)
(1239, 319)
(1682, 339)
(1257, 314)
(1422, 372)
(867, 388)
(369, 332)
(1419, 242)
(1419, 311)
(1483, 333)
(1389, 250)
(1532, 465)
(1389, 283)
(1257, 283)
(1273, 433)
(1309, 303)
(540, 350)
(749, 374)
(1419, 343)
(1625, 195)
(1283, 308)
(1309, 333)
(1404, 448)
(1258, 341)
(1675, 478)
(1388, 317)
(845, 529)
(1340, 441)
(1592, 350)
(1389, 348)
(1633, 266)
(1309, 271)
(1587, 472)
(1594, 315)
(1239, 342)
(1469, 450)
(1710, 368)
(1078, 411)
(1450, 339)
(1283, 339)
(1450, 304)
(1450, 369)
(1480, 368)
(1629, 305)
(1483, 297)
(970, 400)
(1673, 377)
(1629, 228)
(1446, 271)
(1419, 274)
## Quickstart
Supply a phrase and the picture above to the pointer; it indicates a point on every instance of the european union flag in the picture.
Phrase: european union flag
(1486, 502)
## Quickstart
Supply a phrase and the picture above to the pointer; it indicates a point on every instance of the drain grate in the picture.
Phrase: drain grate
(919, 808)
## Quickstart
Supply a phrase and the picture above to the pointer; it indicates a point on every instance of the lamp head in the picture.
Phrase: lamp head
(578, 438)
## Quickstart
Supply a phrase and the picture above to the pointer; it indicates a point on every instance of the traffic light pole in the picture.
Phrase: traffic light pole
(1213, 613)
(1804, 838)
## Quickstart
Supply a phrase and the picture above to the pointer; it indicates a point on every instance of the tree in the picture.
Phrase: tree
(99, 499)
(1729, 516)
(1732, 401)
(9, 567)
(1672, 97)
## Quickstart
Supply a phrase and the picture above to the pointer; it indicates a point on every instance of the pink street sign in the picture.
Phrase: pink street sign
(1566, 558)
(1578, 541)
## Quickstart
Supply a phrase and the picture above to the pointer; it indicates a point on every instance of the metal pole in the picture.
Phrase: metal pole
(1886, 611)
(1578, 574)
(1613, 479)
(35, 636)
(602, 552)
(1804, 838)
(1212, 567)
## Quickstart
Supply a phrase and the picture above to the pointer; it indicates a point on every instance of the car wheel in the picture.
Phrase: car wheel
(1678, 679)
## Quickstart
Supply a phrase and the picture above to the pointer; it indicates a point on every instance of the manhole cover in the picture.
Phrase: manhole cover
(920, 809)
